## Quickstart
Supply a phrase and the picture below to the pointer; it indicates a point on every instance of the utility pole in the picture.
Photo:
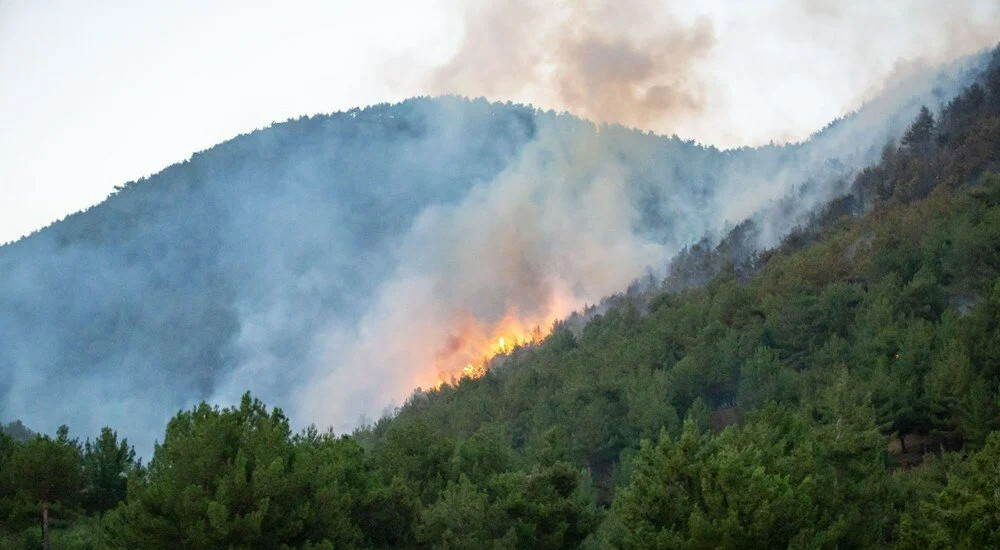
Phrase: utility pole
(45, 526)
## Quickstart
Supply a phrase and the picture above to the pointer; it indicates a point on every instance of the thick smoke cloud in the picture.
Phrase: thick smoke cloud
(625, 62)
(553, 230)
(332, 264)
(724, 73)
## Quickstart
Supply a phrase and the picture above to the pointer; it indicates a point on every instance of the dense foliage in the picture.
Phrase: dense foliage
(842, 393)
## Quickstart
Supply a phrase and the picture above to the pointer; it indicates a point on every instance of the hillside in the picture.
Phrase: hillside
(331, 264)
(837, 390)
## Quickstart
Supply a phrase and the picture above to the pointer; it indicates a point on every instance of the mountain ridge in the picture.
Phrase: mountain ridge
(197, 232)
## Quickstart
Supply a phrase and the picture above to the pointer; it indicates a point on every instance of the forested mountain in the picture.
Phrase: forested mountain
(838, 388)
(331, 264)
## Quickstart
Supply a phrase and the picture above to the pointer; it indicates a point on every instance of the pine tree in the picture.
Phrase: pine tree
(106, 467)
(920, 131)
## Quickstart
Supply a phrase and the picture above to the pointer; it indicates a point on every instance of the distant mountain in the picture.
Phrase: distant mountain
(332, 263)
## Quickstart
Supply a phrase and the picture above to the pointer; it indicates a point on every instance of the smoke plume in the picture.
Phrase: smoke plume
(331, 264)
(730, 75)
(625, 62)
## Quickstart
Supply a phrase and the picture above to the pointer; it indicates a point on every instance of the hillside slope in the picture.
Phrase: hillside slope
(331, 264)
(853, 331)
(842, 392)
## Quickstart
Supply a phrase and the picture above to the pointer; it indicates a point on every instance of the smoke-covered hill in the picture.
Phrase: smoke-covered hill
(331, 264)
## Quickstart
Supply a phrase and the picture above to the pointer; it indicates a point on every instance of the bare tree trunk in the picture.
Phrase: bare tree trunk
(45, 526)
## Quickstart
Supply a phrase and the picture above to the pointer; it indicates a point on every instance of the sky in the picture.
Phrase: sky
(95, 94)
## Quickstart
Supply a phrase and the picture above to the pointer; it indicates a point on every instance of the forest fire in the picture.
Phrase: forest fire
(474, 344)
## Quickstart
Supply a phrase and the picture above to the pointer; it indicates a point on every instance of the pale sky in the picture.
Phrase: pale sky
(95, 94)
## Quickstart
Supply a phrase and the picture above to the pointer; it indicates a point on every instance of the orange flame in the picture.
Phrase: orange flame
(475, 344)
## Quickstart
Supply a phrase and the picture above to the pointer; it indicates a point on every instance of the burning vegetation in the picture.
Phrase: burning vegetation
(475, 345)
